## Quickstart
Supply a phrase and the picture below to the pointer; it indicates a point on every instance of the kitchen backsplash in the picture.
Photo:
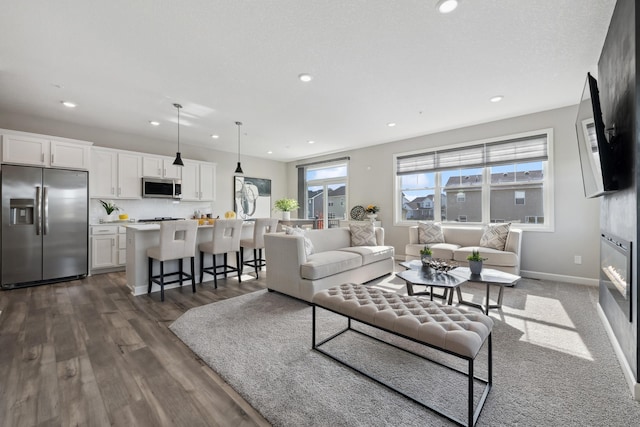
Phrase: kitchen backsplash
(151, 208)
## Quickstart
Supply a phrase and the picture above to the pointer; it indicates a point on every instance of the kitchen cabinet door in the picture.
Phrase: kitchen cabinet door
(190, 181)
(103, 251)
(25, 150)
(69, 155)
(129, 176)
(104, 174)
(207, 181)
(152, 166)
(160, 167)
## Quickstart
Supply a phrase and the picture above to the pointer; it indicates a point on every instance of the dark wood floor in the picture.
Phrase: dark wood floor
(88, 353)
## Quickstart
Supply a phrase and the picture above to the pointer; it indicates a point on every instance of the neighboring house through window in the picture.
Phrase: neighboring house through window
(499, 180)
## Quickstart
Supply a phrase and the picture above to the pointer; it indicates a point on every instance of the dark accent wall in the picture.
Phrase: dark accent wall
(619, 97)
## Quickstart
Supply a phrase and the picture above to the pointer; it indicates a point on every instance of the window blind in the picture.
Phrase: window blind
(530, 148)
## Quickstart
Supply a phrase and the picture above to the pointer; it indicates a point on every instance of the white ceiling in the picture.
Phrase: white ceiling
(373, 61)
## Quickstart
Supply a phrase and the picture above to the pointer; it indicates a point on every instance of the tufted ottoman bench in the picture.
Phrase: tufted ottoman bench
(445, 328)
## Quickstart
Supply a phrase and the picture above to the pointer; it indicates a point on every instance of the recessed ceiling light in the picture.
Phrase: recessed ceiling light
(154, 123)
(214, 136)
(269, 152)
(446, 6)
(69, 104)
(305, 77)
(311, 142)
(496, 98)
(391, 124)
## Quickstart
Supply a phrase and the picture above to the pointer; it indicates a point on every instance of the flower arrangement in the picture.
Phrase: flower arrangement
(286, 205)
(109, 206)
(372, 209)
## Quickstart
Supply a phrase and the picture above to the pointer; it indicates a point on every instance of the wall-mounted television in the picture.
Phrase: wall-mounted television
(597, 152)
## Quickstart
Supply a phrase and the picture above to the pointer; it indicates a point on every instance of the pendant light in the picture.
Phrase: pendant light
(178, 160)
(239, 168)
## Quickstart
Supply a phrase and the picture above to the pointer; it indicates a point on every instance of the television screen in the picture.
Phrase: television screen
(596, 153)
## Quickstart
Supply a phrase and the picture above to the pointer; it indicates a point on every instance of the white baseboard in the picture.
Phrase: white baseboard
(634, 386)
(560, 278)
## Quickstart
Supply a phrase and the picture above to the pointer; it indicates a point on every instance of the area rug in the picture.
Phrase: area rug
(260, 343)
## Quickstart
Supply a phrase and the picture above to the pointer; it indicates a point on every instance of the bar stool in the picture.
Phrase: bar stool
(261, 227)
(226, 238)
(177, 241)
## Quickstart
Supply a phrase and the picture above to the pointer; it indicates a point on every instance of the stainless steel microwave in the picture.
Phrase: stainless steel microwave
(161, 188)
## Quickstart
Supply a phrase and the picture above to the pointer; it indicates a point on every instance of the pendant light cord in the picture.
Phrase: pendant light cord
(239, 124)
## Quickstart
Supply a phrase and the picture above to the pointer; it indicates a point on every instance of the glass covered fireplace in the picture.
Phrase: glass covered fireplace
(615, 270)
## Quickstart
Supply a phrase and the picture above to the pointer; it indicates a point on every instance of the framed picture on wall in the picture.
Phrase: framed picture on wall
(252, 197)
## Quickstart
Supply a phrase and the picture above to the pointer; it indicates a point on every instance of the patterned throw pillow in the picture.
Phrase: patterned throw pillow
(362, 234)
(495, 236)
(297, 231)
(430, 232)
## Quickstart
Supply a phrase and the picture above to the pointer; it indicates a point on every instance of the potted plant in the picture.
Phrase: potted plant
(109, 207)
(425, 255)
(286, 206)
(475, 262)
(372, 211)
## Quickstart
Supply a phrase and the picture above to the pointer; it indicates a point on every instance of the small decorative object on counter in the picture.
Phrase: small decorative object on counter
(230, 215)
(110, 207)
(475, 262)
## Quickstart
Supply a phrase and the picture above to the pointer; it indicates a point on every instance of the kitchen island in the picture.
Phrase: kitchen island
(141, 237)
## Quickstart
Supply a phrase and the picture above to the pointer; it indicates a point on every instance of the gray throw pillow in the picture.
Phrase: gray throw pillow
(297, 231)
(495, 236)
(362, 234)
(430, 232)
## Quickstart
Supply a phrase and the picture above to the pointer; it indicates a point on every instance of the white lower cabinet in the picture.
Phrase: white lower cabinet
(108, 246)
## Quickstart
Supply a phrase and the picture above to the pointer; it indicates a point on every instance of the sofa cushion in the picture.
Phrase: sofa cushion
(430, 232)
(440, 250)
(362, 234)
(371, 254)
(323, 264)
(297, 231)
(493, 257)
(495, 236)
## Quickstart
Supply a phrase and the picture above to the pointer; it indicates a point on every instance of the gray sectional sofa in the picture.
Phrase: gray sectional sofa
(460, 241)
(333, 261)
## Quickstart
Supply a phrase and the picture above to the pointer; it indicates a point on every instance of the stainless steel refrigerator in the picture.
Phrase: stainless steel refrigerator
(45, 216)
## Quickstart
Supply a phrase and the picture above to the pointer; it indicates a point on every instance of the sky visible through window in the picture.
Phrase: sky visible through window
(326, 173)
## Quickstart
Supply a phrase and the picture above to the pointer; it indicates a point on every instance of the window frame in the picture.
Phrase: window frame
(547, 183)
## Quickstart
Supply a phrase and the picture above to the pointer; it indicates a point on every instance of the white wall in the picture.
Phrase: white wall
(225, 164)
(544, 254)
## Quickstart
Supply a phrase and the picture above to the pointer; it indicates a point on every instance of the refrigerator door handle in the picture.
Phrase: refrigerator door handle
(38, 210)
(46, 210)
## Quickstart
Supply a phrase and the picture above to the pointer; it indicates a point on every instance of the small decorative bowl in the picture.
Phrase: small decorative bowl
(440, 265)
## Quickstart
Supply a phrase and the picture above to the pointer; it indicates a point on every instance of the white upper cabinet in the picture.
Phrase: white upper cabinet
(40, 150)
(198, 181)
(160, 167)
(116, 174)
(129, 176)
(68, 155)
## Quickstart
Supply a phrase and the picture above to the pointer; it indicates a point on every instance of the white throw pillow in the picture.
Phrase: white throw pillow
(362, 234)
(297, 231)
(495, 236)
(430, 232)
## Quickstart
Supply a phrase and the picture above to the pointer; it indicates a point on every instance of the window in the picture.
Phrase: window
(501, 180)
(325, 192)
